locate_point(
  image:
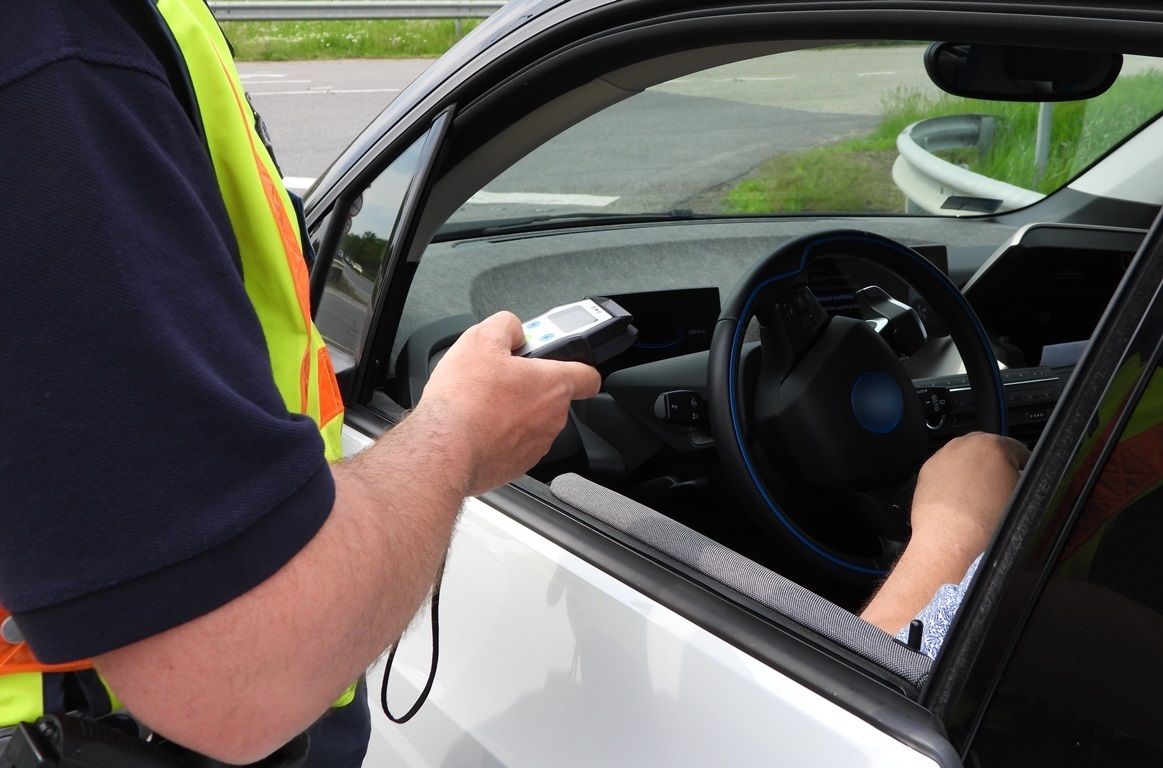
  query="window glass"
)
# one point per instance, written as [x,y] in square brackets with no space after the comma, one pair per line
[345,305]
[816,130]
[1083,685]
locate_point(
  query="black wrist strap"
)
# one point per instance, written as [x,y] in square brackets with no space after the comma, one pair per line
[431,670]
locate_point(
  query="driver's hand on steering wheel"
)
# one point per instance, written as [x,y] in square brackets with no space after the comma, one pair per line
[962,492]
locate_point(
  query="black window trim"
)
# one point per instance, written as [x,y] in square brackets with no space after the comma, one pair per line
[358,375]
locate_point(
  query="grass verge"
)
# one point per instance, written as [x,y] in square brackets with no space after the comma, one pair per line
[367,39]
[829,178]
[855,175]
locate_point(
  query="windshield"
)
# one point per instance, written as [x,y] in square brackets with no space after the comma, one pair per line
[842,129]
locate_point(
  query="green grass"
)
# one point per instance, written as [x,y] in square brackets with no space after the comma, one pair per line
[369,39]
[854,175]
[831,178]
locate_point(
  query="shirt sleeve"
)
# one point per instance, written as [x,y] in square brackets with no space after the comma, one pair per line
[937,616]
[149,470]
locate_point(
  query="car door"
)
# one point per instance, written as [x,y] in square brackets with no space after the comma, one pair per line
[561,638]
[557,644]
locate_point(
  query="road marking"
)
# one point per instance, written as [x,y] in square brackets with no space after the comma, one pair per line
[248,75]
[281,82]
[875,74]
[741,79]
[484,197]
[298,183]
[324,90]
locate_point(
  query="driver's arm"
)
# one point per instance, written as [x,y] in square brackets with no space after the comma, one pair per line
[962,491]
[241,680]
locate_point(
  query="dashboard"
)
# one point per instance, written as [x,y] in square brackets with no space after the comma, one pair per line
[1039,295]
[1039,290]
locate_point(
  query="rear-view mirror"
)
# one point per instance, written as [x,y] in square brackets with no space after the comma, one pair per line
[1014,73]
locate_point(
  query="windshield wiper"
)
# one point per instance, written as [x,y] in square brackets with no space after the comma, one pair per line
[560,221]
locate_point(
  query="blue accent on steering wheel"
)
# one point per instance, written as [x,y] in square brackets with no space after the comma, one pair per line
[732,386]
[877,402]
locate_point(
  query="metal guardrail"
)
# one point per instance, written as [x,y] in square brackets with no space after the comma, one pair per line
[314,10]
[934,185]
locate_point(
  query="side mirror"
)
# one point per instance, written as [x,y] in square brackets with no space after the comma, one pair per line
[1018,73]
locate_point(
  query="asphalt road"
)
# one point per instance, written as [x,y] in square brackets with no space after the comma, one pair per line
[313,109]
[654,151]
[734,115]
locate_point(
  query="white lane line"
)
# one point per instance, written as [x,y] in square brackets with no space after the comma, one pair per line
[280,82]
[484,197]
[741,79]
[249,75]
[324,91]
[875,74]
[298,183]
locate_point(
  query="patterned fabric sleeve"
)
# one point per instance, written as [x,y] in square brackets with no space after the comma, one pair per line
[938,614]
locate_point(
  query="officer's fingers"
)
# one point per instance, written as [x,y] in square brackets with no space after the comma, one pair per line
[504,329]
[584,380]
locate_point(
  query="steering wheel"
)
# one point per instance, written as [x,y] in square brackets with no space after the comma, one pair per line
[818,426]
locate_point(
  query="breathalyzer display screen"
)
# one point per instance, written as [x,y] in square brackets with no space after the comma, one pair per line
[571,318]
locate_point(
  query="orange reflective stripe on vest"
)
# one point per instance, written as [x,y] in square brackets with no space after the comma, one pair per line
[18,657]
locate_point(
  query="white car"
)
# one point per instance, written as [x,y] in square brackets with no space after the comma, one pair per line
[804,227]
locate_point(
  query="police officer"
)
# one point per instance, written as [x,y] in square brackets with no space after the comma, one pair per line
[173,510]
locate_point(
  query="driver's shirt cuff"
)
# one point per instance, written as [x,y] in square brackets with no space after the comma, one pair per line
[937,616]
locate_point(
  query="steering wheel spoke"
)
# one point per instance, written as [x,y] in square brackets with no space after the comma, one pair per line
[792,322]
[896,322]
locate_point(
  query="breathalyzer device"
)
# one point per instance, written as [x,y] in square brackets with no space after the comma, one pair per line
[589,331]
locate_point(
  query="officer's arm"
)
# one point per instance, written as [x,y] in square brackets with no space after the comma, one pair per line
[239,682]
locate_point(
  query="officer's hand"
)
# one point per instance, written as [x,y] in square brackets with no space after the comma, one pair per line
[506,409]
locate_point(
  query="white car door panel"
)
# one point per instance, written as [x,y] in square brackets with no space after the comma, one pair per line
[546,660]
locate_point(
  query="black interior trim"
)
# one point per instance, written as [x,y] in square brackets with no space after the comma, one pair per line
[383,323]
[1069,206]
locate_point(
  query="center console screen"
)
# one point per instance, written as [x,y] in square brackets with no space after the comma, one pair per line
[670,323]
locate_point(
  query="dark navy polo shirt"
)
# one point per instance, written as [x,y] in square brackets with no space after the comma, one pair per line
[149,470]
